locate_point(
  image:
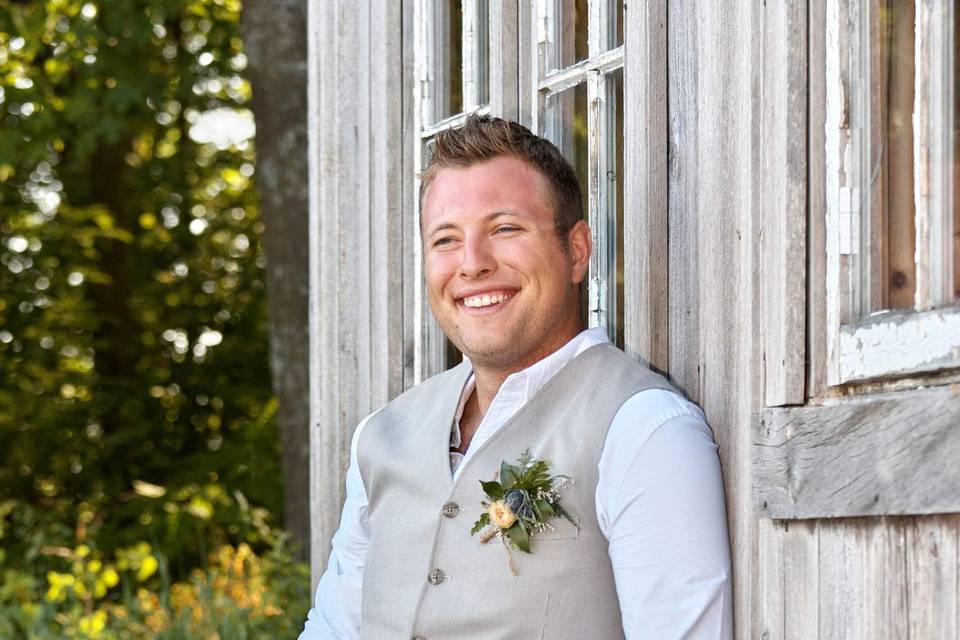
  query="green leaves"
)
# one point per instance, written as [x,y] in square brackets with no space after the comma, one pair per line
[493,489]
[481,522]
[518,536]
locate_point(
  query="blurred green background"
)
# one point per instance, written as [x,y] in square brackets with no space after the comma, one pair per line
[140,480]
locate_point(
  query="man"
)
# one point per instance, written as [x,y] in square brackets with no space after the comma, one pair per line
[505,250]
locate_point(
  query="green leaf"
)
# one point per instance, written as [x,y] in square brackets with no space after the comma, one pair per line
[545,509]
[481,522]
[518,535]
[508,475]
[493,489]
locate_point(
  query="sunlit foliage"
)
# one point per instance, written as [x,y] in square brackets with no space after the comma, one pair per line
[135,399]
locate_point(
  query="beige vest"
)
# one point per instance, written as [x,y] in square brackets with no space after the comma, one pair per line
[427,577]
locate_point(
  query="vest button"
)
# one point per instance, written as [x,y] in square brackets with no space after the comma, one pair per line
[436,576]
[450,509]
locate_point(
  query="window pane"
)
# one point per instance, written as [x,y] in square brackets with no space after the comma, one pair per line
[614,177]
[483,56]
[570,39]
[565,124]
[890,278]
[616,24]
[448,58]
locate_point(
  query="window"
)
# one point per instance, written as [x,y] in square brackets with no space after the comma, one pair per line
[452,68]
[575,94]
[579,107]
[893,262]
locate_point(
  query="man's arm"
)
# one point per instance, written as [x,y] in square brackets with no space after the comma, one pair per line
[660,503]
[336,611]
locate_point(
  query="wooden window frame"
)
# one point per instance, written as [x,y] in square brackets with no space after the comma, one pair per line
[873,432]
[517,90]
[593,71]
[890,343]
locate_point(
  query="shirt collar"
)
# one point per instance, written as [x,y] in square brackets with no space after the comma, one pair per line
[522,385]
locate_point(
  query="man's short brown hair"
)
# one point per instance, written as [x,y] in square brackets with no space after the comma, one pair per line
[483,138]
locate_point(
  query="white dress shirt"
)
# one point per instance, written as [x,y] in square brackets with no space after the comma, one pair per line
[659,502]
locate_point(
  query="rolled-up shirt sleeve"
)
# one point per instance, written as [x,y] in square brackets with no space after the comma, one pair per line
[336,610]
[660,503]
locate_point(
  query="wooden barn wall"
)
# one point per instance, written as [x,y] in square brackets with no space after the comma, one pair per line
[726,243]
[358,237]
[711,245]
[850,578]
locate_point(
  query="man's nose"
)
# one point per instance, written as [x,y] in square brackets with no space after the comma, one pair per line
[478,260]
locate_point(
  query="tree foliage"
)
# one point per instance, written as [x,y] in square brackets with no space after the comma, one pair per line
[135,400]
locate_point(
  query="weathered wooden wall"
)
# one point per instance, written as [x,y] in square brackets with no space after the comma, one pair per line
[836,577]
[712,245]
[718,293]
[358,236]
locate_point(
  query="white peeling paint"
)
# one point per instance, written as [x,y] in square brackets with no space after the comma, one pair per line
[900,343]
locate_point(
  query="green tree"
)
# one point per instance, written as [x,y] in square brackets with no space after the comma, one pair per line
[134,385]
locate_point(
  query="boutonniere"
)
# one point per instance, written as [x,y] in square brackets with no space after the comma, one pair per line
[519,505]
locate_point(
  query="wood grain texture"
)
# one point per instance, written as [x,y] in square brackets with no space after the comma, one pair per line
[713,161]
[891,453]
[683,212]
[884,578]
[816,308]
[645,226]
[783,192]
[504,52]
[356,187]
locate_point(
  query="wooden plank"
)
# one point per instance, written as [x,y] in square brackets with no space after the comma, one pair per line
[386,286]
[801,585]
[504,59]
[817,205]
[712,144]
[783,176]
[932,563]
[897,344]
[645,223]
[770,581]
[683,213]
[410,143]
[355,215]
[892,453]
[840,607]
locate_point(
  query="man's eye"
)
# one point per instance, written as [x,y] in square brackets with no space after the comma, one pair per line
[445,240]
[506,228]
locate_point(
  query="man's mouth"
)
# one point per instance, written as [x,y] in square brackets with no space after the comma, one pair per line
[486,299]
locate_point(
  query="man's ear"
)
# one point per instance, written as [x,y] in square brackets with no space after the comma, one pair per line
[581,245]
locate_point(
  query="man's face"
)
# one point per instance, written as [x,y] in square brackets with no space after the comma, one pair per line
[500,283]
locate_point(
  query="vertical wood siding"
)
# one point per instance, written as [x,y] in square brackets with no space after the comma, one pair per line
[356,285]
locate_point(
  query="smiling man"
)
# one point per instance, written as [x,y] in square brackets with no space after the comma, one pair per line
[644,552]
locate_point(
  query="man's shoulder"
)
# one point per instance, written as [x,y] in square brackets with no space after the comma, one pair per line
[609,364]
[441,388]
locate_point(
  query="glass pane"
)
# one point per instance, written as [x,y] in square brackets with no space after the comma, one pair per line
[614,189]
[616,24]
[483,55]
[448,58]
[890,278]
[570,39]
[565,124]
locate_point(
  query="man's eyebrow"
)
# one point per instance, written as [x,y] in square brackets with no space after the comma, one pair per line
[490,216]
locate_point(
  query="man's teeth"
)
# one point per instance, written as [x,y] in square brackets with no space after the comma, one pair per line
[485,300]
